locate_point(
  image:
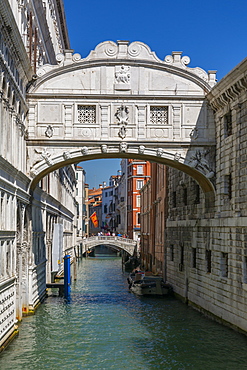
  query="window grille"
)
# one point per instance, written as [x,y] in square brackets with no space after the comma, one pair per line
[159,115]
[86,113]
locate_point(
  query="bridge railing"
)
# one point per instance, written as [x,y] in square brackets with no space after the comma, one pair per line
[105,238]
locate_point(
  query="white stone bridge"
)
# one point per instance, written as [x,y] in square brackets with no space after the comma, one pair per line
[115,242]
[121,101]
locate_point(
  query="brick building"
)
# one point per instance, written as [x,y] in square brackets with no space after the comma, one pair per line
[138,173]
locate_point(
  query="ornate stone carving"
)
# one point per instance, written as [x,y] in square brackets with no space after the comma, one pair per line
[199,162]
[84,150]
[122,115]
[159,152]
[194,133]
[26,134]
[49,131]
[76,57]
[122,132]
[44,69]
[60,58]
[123,147]
[141,149]
[123,76]
[44,154]
[104,148]
[111,49]
[134,49]
[177,156]
[66,155]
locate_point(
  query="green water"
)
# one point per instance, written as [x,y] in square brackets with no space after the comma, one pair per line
[106,327]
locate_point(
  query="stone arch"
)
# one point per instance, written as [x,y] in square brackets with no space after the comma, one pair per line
[167,158]
[120,244]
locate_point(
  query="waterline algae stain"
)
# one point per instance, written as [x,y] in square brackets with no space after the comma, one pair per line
[104,326]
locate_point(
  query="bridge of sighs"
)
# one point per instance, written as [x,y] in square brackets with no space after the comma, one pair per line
[122,101]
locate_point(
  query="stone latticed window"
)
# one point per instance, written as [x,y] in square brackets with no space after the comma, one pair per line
[159,115]
[86,113]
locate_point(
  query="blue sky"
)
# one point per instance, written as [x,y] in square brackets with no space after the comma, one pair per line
[212,33]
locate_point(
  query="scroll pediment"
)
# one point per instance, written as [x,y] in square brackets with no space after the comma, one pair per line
[126,53]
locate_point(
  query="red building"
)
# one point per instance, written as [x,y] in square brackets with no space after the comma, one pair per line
[138,173]
[153,220]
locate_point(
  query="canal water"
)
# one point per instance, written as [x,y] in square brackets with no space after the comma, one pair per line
[106,327]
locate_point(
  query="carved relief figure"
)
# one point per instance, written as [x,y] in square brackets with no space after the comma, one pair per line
[84,150]
[104,148]
[159,152]
[123,147]
[45,155]
[123,76]
[66,155]
[199,162]
[141,149]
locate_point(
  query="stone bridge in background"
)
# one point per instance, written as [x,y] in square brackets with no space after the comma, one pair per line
[115,242]
[121,101]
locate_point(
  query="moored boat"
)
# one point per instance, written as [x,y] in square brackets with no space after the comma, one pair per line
[142,283]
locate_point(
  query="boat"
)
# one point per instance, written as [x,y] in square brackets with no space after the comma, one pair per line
[145,283]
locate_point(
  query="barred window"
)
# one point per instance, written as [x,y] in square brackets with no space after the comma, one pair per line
[159,115]
[86,113]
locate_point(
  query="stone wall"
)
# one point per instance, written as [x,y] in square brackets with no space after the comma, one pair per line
[206,247]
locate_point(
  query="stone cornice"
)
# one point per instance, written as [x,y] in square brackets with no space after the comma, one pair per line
[230,87]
